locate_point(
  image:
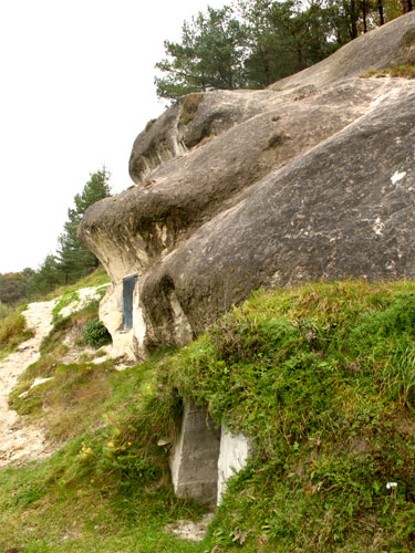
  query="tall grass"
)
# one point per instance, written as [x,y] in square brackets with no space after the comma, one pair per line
[13,331]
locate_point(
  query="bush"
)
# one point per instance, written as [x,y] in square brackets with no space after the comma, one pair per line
[4,310]
[95,334]
[13,331]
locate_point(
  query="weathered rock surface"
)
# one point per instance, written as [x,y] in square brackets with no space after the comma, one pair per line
[310,179]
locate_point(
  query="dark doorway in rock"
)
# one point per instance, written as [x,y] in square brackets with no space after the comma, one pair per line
[127,292]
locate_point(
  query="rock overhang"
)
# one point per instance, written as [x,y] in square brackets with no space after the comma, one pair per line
[265,188]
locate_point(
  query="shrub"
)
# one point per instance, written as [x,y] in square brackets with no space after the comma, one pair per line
[95,334]
[4,310]
[13,331]
[190,107]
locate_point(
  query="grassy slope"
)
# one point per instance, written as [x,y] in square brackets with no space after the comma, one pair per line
[320,377]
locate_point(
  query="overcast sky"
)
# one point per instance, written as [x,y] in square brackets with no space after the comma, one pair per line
[76,88]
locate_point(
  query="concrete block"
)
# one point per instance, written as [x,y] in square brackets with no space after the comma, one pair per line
[234,453]
[194,462]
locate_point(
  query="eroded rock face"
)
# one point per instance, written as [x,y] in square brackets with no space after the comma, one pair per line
[312,178]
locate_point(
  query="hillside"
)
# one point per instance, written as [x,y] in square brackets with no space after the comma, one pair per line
[320,377]
[259,390]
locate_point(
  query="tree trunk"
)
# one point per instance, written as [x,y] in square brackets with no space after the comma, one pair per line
[353,19]
[381,14]
[300,58]
[364,14]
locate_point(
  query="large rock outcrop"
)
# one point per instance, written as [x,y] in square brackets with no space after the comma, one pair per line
[310,179]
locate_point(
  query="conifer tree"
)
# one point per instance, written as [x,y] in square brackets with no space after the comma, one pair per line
[47,277]
[210,55]
[74,260]
[253,43]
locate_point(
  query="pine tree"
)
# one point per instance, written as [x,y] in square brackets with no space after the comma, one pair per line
[253,43]
[210,55]
[74,260]
[47,277]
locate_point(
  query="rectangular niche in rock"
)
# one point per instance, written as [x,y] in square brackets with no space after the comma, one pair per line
[127,293]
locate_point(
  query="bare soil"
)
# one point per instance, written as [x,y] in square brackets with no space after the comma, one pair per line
[20,441]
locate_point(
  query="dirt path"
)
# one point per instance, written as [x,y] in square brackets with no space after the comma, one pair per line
[18,441]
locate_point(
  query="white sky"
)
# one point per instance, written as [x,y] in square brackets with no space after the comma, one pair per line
[76,87]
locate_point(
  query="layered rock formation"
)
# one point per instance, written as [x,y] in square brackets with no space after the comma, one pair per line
[310,179]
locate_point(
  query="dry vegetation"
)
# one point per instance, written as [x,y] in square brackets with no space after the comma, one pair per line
[402,71]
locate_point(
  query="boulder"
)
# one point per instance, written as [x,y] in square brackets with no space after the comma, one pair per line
[309,179]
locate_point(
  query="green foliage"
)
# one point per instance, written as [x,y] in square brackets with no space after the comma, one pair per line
[95,279]
[108,488]
[95,334]
[66,299]
[13,331]
[210,55]
[253,43]
[14,287]
[73,260]
[4,310]
[48,277]
[70,297]
[322,380]
[285,37]
[320,377]
[73,324]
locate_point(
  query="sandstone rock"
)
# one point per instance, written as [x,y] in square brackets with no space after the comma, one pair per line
[310,179]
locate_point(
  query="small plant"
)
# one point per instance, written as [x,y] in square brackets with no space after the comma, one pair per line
[13,331]
[190,106]
[95,334]
[148,126]
[404,71]
[72,325]
[64,301]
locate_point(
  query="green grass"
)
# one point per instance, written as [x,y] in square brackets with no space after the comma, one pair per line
[4,310]
[108,488]
[74,324]
[71,296]
[320,377]
[97,278]
[63,404]
[66,299]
